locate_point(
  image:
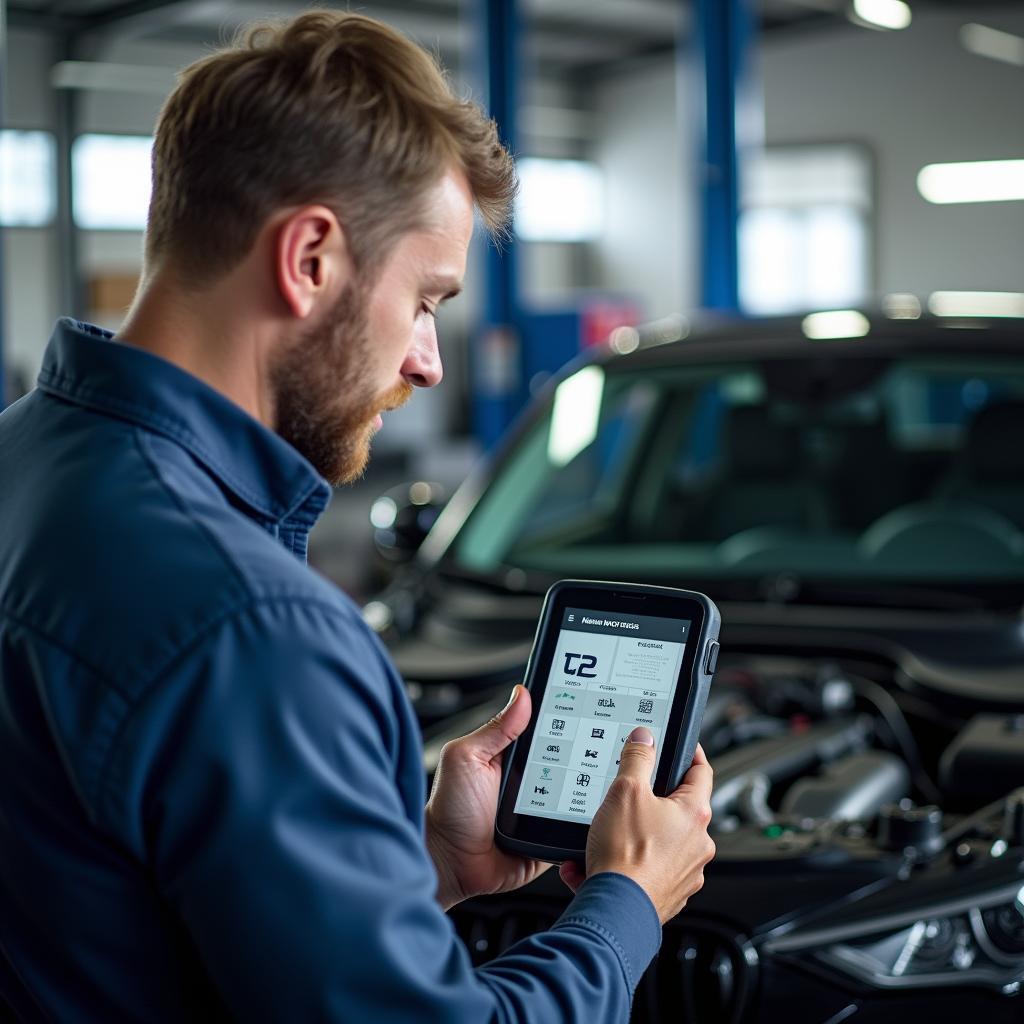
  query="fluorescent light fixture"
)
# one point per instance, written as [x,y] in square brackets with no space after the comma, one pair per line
[111,181]
[836,323]
[575,416]
[902,306]
[991,42]
[99,76]
[891,14]
[559,200]
[977,303]
[976,181]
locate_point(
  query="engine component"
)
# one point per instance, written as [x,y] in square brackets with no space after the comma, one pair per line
[986,759]
[852,789]
[903,825]
[1013,818]
[783,757]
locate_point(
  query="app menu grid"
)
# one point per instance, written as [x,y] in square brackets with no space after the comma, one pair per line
[599,689]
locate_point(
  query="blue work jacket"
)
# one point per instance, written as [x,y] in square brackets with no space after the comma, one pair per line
[211,786]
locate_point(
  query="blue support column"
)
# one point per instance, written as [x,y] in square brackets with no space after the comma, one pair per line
[723,37]
[66,104]
[3,241]
[496,354]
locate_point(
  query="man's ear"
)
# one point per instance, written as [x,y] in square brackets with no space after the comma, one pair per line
[311,258]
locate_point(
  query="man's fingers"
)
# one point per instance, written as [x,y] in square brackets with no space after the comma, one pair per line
[572,874]
[637,757]
[697,782]
[492,738]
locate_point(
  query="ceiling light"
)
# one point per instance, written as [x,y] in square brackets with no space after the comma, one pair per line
[836,323]
[977,303]
[990,42]
[978,181]
[901,306]
[890,14]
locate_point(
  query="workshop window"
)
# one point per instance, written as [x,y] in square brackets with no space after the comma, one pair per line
[804,231]
[28,195]
[559,200]
[111,181]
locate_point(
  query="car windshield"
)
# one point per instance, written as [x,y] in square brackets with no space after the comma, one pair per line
[870,468]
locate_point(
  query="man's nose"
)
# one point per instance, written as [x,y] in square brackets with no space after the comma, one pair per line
[422,367]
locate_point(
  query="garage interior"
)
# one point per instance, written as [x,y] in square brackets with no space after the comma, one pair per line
[693,173]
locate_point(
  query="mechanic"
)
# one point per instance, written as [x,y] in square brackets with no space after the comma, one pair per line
[211,785]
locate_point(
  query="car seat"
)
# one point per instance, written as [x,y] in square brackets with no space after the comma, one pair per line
[762,483]
[990,469]
[869,477]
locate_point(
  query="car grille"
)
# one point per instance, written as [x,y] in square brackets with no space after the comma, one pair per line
[704,971]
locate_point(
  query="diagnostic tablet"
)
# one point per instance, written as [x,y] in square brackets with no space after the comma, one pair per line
[607,657]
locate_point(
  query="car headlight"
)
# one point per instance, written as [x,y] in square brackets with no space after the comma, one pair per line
[973,941]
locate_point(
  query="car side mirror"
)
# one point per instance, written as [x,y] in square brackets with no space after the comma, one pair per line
[403,516]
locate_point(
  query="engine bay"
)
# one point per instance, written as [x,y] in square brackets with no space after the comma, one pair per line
[869,839]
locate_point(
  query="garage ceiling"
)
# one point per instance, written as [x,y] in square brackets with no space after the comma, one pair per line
[569,38]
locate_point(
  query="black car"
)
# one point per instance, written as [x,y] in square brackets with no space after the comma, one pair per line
[855,505]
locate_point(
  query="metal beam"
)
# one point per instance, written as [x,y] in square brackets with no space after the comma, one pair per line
[141,15]
[151,12]
[496,358]
[41,21]
[65,129]
[724,35]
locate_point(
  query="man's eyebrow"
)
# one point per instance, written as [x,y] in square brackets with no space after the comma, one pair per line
[446,287]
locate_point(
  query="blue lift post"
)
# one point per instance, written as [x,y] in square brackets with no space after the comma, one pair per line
[495,356]
[3,123]
[724,33]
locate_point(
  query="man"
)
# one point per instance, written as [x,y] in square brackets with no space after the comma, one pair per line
[211,792]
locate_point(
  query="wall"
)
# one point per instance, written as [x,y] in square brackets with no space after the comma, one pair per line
[913,97]
[650,247]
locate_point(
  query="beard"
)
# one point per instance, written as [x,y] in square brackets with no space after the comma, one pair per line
[325,404]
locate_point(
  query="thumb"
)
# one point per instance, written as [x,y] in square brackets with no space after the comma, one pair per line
[637,758]
[493,737]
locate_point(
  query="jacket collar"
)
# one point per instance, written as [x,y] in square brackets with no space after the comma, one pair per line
[84,366]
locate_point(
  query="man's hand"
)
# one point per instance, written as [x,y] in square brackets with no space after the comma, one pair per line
[461,809]
[662,843]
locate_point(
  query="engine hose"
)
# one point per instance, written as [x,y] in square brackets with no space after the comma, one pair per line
[752,801]
[892,714]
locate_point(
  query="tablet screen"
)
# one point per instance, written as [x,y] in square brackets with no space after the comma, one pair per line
[610,673]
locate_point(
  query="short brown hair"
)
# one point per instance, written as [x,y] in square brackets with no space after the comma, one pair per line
[329,107]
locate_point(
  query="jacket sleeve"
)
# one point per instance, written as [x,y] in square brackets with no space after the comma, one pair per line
[258,783]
